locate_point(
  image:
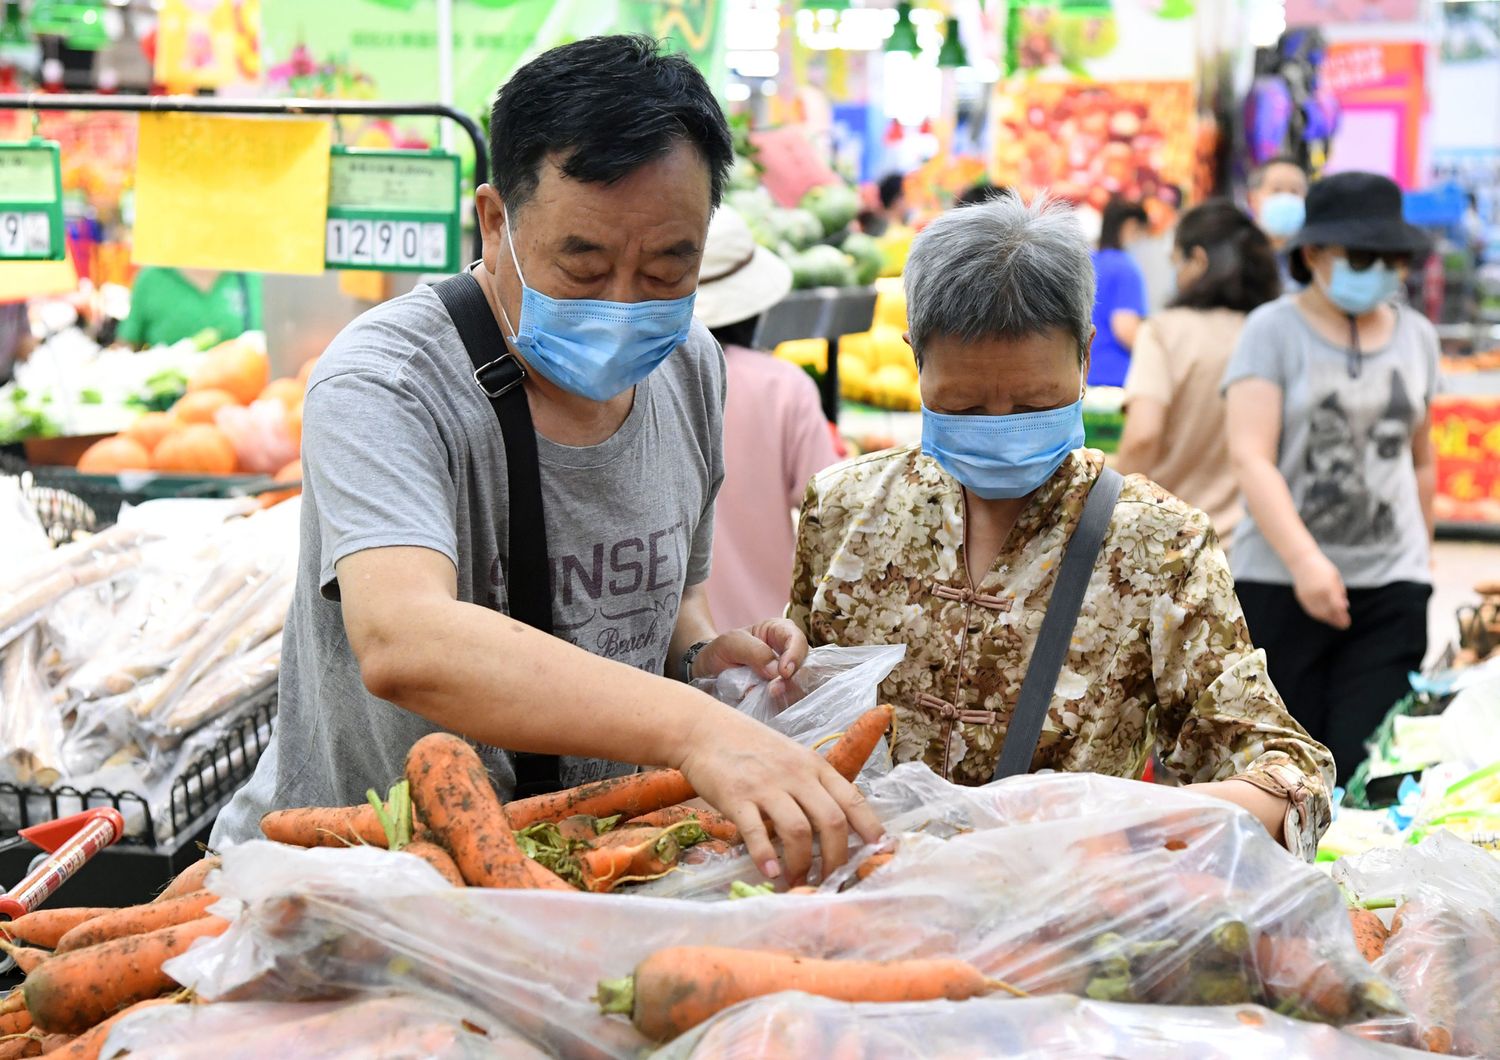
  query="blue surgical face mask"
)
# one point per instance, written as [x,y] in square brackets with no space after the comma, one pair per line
[1282,214]
[1003,457]
[591,347]
[1356,293]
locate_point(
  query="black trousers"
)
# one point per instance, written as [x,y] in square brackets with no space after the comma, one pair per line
[1340,683]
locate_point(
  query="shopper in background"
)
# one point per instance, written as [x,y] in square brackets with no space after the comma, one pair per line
[894,207]
[1277,196]
[608,157]
[984,191]
[953,548]
[1330,435]
[15,337]
[1120,301]
[169,305]
[775,436]
[1174,411]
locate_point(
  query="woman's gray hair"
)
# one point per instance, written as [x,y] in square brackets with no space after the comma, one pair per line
[1001,269]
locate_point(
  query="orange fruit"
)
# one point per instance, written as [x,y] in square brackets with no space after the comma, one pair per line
[291,473]
[150,429]
[287,391]
[306,370]
[200,406]
[117,453]
[195,448]
[236,368]
[294,423]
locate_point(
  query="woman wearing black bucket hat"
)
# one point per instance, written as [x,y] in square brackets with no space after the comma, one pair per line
[1329,433]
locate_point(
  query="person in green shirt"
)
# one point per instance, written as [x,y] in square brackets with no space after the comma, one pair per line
[169,305]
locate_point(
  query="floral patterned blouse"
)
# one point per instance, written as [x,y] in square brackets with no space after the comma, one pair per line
[1160,656]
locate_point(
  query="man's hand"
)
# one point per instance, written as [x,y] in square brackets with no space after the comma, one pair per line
[754,775]
[1320,590]
[773,648]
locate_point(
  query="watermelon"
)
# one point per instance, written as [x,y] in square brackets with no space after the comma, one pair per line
[867,255]
[800,228]
[822,266]
[834,205]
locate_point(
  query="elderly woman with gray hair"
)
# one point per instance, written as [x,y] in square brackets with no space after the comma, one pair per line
[1055,615]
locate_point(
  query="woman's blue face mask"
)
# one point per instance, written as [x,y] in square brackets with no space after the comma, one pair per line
[1003,457]
[591,347]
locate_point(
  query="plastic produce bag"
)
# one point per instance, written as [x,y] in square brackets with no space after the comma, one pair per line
[793,1026]
[1443,955]
[392,1028]
[1057,883]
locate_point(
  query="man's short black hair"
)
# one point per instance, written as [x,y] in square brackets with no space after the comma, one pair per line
[891,187]
[605,106]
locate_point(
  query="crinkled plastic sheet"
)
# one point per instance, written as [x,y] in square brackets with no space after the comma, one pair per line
[391,1028]
[1444,956]
[796,1026]
[1056,884]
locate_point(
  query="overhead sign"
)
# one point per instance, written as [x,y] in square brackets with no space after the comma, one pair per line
[396,211]
[31,213]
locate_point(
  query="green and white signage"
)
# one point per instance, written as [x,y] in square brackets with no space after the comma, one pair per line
[396,211]
[31,211]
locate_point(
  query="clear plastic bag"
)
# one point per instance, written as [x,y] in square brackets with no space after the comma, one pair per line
[392,1028]
[1443,955]
[1056,884]
[793,1026]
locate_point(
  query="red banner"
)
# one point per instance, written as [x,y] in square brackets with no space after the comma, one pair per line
[1466,432]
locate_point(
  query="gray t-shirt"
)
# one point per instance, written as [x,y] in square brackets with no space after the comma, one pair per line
[401,448]
[1345,444]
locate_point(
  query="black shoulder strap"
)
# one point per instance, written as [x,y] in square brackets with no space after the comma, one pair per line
[528,578]
[1056,634]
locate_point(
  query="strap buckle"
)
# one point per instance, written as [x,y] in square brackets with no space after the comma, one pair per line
[500,376]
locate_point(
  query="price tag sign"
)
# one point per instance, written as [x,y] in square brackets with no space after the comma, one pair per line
[31,209]
[397,211]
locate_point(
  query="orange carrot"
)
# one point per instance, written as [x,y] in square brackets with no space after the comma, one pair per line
[189,879]
[1370,933]
[15,1023]
[580,828]
[44,927]
[628,855]
[325,826]
[873,864]
[451,792]
[14,1001]
[27,958]
[544,879]
[709,848]
[87,1045]
[74,991]
[715,824]
[1292,970]
[137,920]
[53,1042]
[675,989]
[17,1047]
[854,748]
[437,857]
[631,795]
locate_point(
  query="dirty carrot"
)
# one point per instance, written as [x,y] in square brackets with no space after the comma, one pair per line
[715,824]
[137,920]
[622,857]
[437,857]
[325,826]
[44,927]
[189,879]
[853,750]
[27,958]
[631,795]
[88,1045]
[1370,933]
[74,991]
[15,1023]
[14,1001]
[451,792]
[675,989]
[544,879]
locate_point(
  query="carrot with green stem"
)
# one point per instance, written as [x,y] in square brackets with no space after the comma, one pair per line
[715,824]
[634,855]
[325,826]
[137,920]
[46,926]
[1370,933]
[859,741]
[676,989]
[451,792]
[631,795]
[74,991]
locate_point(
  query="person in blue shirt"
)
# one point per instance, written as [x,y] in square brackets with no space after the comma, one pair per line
[1120,301]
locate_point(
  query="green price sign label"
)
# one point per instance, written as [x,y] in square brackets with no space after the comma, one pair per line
[397,211]
[31,213]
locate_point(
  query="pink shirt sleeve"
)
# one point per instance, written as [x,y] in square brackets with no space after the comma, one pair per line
[809,443]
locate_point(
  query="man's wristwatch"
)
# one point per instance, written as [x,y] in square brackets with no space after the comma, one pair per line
[688,657]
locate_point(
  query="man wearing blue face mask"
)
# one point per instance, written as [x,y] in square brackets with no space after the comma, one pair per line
[532,448]
[1330,436]
[1054,615]
[1277,196]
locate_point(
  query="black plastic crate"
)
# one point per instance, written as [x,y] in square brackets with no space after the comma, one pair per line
[140,864]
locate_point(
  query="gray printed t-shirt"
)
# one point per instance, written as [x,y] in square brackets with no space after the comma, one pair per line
[1345,444]
[401,448]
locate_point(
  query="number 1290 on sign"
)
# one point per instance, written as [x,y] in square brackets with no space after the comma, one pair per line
[394,244]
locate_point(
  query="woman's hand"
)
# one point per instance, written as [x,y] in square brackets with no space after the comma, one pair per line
[1269,810]
[1320,590]
[773,648]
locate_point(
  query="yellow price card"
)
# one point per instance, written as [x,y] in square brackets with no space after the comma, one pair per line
[237,194]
